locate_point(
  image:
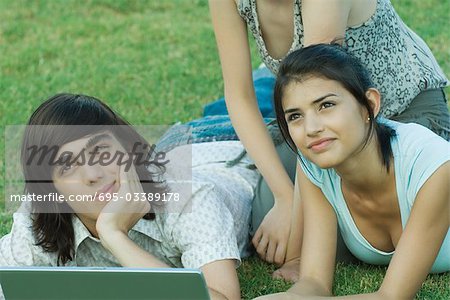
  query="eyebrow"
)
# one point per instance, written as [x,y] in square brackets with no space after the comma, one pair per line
[290,110]
[96,139]
[91,142]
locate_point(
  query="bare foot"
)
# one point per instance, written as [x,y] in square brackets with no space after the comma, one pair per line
[289,271]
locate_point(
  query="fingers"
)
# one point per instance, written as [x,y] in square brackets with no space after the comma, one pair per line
[269,250]
[257,237]
[277,274]
[289,271]
[270,254]
[280,254]
[275,253]
[261,249]
[260,242]
[287,275]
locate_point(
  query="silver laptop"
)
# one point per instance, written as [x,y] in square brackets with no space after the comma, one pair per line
[79,283]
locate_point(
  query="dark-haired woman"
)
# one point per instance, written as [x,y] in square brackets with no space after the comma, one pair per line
[400,63]
[384,184]
[110,189]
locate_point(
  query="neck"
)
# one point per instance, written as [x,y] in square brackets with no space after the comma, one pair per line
[364,172]
[90,225]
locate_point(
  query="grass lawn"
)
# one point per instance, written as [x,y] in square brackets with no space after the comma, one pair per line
[155,62]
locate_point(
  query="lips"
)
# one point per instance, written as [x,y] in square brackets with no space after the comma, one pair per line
[107,188]
[320,145]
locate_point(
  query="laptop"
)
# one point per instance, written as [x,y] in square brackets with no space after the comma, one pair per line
[80,283]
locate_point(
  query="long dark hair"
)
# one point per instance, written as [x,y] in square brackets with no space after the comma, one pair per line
[333,62]
[50,125]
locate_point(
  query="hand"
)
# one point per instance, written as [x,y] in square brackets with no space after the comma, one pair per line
[120,216]
[270,240]
[289,271]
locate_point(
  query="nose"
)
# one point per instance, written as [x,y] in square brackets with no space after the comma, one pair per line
[313,125]
[92,173]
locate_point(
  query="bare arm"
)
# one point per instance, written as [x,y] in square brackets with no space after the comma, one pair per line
[222,279]
[118,217]
[415,252]
[231,36]
[324,20]
[318,251]
[430,214]
[220,276]
[289,271]
[417,249]
[296,236]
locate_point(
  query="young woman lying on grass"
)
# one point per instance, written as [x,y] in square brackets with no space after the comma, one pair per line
[205,227]
[384,185]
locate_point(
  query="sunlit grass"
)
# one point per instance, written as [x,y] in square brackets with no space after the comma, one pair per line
[155,62]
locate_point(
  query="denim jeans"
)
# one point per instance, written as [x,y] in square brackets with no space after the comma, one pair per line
[207,129]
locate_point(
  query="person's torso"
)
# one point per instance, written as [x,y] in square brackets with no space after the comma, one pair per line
[417,154]
[399,61]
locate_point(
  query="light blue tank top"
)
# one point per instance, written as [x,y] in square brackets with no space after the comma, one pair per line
[418,153]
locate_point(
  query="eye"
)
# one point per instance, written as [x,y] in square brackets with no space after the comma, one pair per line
[100,148]
[324,105]
[66,168]
[293,117]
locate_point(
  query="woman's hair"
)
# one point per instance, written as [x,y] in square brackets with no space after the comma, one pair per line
[50,127]
[330,61]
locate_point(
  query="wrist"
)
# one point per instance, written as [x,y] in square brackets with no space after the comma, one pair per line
[309,287]
[111,237]
[283,195]
[383,294]
[292,260]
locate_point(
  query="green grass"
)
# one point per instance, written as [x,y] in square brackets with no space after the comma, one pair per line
[156,63]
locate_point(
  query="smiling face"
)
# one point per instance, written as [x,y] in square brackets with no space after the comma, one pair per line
[325,121]
[93,169]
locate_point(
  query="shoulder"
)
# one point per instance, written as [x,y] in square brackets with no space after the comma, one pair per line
[418,153]
[411,139]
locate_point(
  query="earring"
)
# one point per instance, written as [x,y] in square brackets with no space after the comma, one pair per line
[368,118]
